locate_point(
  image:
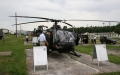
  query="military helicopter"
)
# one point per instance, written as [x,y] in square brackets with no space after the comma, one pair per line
[39,30]
[62,40]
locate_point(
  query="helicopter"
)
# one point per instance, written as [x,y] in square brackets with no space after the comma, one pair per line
[62,40]
[38,31]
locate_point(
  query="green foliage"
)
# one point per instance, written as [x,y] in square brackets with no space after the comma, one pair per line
[15,64]
[92,29]
[117,29]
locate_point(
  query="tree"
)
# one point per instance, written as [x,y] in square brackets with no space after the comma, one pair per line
[117,29]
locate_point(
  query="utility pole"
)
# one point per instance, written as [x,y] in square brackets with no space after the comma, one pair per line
[16,23]
[109,29]
[20,29]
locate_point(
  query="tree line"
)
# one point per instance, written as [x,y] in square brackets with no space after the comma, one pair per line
[96,29]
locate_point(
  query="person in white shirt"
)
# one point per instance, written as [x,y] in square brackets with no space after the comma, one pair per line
[94,39]
[42,39]
[26,38]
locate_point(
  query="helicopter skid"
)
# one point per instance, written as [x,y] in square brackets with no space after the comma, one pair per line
[74,53]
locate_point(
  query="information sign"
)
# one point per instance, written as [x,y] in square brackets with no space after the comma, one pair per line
[100,53]
[40,56]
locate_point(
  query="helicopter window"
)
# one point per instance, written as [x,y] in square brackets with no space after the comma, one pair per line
[58,27]
[64,36]
[65,27]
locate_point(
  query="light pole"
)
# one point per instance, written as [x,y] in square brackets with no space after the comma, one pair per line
[16,23]
[20,29]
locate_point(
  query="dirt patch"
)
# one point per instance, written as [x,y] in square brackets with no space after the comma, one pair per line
[114,52]
[5,53]
[28,43]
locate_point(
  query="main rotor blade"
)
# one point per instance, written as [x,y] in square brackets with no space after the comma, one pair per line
[29,22]
[31,17]
[67,24]
[93,20]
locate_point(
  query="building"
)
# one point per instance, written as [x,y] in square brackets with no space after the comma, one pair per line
[5,31]
[109,34]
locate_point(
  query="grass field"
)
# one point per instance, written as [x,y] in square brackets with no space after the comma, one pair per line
[15,64]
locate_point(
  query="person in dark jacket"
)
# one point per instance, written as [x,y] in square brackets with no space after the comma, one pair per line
[48,39]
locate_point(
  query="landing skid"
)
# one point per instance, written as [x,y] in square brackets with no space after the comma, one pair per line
[74,53]
[71,52]
[49,52]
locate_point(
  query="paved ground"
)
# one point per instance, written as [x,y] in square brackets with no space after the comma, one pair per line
[59,64]
[66,64]
[114,52]
[28,43]
[5,53]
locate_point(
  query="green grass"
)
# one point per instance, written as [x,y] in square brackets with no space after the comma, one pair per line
[117,40]
[111,73]
[15,64]
[113,47]
[85,49]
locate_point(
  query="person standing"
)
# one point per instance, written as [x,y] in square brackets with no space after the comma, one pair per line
[94,39]
[34,33]
[31,35]
[42,39]
[26,38]
[48,38]
[80,40]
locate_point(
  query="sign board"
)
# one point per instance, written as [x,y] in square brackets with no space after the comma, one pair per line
[35,40]
[100,52]
[40,56]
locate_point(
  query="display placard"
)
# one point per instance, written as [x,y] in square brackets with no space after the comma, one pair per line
[40,56]
[100,52]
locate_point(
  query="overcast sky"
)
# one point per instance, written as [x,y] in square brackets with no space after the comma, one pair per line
[59,9]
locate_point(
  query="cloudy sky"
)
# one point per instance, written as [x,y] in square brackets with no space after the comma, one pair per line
[59,9]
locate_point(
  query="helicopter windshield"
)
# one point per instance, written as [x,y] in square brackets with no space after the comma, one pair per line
[64,36]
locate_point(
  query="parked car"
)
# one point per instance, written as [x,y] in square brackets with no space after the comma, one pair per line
[107,40]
